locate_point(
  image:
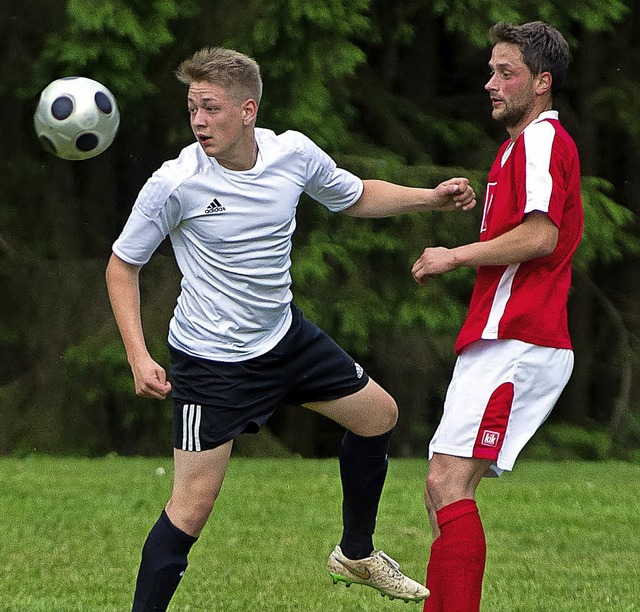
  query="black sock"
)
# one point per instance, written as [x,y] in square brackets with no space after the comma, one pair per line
[164,560]
[363,469]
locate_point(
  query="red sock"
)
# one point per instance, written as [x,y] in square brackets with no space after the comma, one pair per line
[460,555]
[435,602]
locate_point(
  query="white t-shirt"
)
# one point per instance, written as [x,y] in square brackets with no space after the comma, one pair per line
[231,235]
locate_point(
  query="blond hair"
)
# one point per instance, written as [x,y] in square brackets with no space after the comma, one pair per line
[236,73]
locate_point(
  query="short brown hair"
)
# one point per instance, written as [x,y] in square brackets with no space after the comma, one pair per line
[237,73]
[543,48]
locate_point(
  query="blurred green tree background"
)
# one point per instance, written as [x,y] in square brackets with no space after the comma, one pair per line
[393,89]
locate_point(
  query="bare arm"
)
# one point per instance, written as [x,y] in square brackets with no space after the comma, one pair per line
[124,293]
[383,199]
[536,236]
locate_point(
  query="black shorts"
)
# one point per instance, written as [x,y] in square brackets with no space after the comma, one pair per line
[215,401]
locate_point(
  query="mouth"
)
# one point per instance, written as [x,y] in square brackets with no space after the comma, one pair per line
[496,102]
[203,139]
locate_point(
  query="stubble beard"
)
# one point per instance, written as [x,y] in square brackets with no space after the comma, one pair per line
[510,117]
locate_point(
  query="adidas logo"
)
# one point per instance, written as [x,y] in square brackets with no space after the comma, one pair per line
[214,207]
[359,370]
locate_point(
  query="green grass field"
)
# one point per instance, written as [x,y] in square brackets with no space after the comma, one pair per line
[561,537]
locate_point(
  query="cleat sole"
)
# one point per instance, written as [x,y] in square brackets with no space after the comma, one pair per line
[336,578]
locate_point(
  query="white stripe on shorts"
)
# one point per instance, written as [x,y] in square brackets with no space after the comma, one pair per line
[191,416]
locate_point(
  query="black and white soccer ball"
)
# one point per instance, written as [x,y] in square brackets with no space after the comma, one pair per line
[76,118]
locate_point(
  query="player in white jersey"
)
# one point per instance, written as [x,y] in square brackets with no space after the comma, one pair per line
[239,347]
[514,351]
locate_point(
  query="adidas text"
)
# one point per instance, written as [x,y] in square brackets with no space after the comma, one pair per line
[214,207]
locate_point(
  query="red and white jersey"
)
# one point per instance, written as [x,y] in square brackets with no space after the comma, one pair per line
[527,301]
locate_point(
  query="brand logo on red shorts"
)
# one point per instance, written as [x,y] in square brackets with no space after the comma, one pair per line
[490,438]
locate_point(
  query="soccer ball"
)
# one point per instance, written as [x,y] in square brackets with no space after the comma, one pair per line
[76,118]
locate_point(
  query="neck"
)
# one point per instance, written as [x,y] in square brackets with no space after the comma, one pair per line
[243,159]
[515,130]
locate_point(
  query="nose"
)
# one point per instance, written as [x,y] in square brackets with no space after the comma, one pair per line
[198,118]
[491,83]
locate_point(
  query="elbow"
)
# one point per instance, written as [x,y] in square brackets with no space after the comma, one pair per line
[541,235]
[545,245]
[118,268]
[111,269]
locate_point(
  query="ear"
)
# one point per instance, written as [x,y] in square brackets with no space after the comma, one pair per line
[543,83]
[250,111]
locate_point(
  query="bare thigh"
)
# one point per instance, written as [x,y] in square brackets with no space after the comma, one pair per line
[368,412]
[197,480]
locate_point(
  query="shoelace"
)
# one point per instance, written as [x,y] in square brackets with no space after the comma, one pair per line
[389,561]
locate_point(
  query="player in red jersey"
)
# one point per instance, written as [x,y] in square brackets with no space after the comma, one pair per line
[514,350]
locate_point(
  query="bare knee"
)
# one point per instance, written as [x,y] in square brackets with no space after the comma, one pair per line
[435,491]
[190,506]
[368,412]
[378,418]
[388,415]
[453,478]
[381,421]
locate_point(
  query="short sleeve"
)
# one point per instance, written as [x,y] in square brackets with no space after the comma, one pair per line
[333,187]
[155,213]
[545,184]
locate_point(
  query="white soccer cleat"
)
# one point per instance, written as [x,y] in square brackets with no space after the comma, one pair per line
[378,571]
